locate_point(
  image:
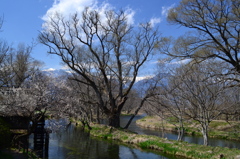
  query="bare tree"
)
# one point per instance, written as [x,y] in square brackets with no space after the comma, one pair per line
[108,53]
[23,66]
[16,65]
[232,100]
[82,103]
[132,102]
[166,102]
[169,106]
[201,95]
[217,35]
[5,62]
[147,90]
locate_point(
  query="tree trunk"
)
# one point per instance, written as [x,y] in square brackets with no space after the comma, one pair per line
[180,130]
[98,115]
[205,134]
[136,112]
[205,139]
[180,133]
[114,120]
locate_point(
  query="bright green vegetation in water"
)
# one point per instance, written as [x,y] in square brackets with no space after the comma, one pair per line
[173,147]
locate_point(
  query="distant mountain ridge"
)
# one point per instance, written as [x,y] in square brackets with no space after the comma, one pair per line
[157,80]
[56,72]
[142,83]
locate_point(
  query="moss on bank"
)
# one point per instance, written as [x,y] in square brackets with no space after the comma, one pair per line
[183,149]
[217,128]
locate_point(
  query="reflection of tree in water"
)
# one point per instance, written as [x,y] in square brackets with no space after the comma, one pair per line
[72,142]
[75,143]
[133,153]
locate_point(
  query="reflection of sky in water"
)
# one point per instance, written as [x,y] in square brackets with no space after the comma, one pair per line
[73,143]
[55,148]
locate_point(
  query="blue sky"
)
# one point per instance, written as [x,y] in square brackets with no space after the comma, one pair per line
[23,19]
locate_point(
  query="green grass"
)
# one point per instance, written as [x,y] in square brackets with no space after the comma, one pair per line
[124,137]
[126,114]
[165,147]
[106,136]
[218,123]
[148,142]
[217,128]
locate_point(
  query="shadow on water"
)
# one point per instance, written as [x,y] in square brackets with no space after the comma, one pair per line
[173,136]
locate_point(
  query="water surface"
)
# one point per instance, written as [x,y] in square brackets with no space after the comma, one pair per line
[73,143]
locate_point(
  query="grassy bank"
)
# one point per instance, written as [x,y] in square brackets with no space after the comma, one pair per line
[167,146]
[217,128]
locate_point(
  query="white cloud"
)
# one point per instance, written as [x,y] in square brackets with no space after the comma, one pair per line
[130,15]
[139,78]
[185,61]
[174,62]
[65,67]
[50,69]
[68,7]
[165,9]
[155,21]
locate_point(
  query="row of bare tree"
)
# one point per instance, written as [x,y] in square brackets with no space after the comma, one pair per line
[207,87]
[194,94]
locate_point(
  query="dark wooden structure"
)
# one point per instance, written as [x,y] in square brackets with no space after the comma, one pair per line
[20,124]
[17,122]
[41,139]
